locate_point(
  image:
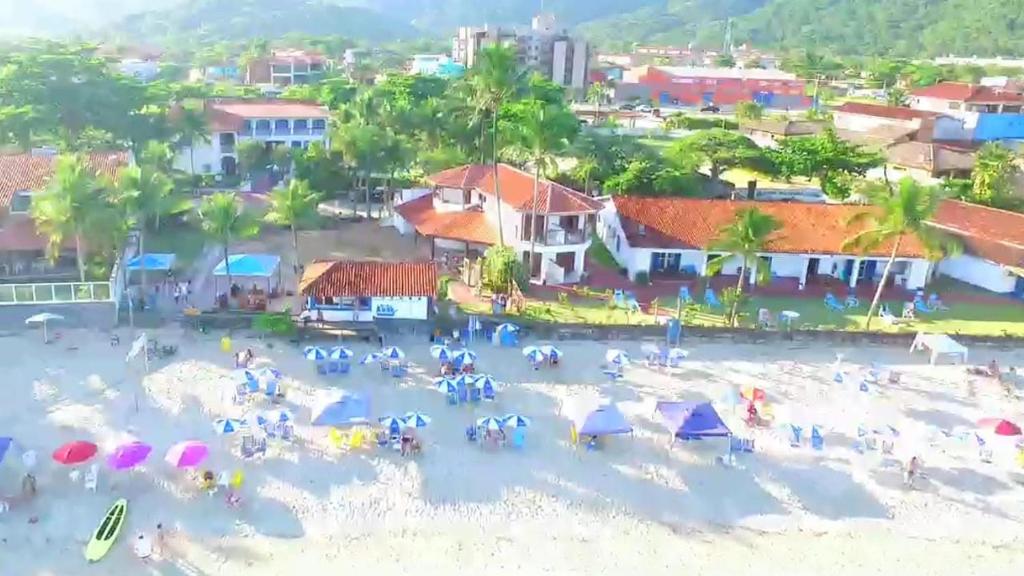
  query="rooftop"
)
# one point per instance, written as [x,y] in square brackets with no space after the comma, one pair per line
[516,189]
[881,111]
[785,127]
[287,56]
[32,172]
[739,73]
[935,158]
[466,225]
[331,279]
[228,115]
[695,224]
[997,235]
[973,93]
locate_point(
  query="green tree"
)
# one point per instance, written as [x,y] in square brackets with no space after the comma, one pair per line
[725,61]
[259,48]
[718,149]
[252,156]
[293,207]
[827,158]
[992,178]
[897,215]
[501,268]
[743,239]
[495,79]
[896,96]
[224,219]
[191,129]
[749,111]
[69,208]
[362,147]
[597,94]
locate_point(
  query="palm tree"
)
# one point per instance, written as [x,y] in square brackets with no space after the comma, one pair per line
[495,79]
[898,214]
[223,218]
[259,48]
[145,194]
[744,239]
[596,94]
[191,128]
[69,208]
[293,206]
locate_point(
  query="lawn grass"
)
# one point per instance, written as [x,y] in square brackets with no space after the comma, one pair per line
[657,144]
[600,253]
[183,240]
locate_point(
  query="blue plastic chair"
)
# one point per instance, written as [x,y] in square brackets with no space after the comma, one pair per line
[321,368]
[796,435]
[488,393]
[471,433]
[817,440]
[453,399]
[474,394]
[344,367]
[519,438]
[684,294]
[711,299]
[832,303]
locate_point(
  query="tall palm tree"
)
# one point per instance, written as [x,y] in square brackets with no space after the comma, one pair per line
[596,94]
[495,79]
[224,218]
[744,239]
[293,206]
[70,207]
[898,214]
[141,193]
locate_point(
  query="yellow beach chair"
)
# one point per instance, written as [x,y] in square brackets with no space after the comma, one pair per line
[237,479]
[338,438]
[357,439]
[573,436]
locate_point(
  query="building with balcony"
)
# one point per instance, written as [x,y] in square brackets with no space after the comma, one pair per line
[272,122]
[462,212]
[287,67]
[988,113]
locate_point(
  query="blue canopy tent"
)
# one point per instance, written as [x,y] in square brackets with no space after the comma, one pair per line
[151,261]
[602,420]
[349,410]
[693,421]
[250,265]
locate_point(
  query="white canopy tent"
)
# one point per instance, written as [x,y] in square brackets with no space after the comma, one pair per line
[939,344]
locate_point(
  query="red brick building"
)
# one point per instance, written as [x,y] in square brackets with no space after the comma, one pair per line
[723,87]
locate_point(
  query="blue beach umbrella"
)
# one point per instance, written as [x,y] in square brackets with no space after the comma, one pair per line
[490,423]
[392,423]
[515,421]
[226,426]
[465,380]
[416,420]
[268,374]
[551,352]
[314,353]
[278,415]
[446,385]
[503,328]
[533,354]
[393,353]
[5,445]
[371,358]
[487,383]
[616,356]
[249,378]
[442,353]
[254,419]
[339,353]
[463,357]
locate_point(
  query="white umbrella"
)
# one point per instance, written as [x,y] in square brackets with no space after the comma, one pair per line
[616,356]
[416,420]
[516,421]
[490,423]
[43,318]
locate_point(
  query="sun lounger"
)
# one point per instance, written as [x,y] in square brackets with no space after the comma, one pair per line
[832,303]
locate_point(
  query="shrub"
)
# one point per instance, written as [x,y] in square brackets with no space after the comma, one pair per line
[500,268]
[642,278]
[442,287]
[275,323]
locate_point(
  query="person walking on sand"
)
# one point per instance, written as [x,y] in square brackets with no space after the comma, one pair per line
[160,538]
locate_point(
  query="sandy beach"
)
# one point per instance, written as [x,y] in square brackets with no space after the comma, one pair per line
[549,508]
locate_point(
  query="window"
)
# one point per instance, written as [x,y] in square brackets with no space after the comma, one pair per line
[21,202]
[641,229]
[319,126]
[247,126]
[954,105]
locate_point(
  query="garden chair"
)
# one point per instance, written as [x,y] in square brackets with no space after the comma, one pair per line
[710,299]
[832,303]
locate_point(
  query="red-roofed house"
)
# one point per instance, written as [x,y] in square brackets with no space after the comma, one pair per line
[272,122]
[462,213]
[956,97]
[675,236]
[368,291]
[993,242]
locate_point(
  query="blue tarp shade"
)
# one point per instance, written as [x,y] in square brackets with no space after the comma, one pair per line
[692,420]
[602,421]
[249,265]
[152,262]
[349,410]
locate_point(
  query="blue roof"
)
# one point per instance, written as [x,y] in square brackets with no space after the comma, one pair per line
[249,265]
[152,262]
[692,420]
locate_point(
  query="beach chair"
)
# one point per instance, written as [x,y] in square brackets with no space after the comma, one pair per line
[322,368]
[471,434]
[710,299]
[935,303]
[817,440]
[399,370]
[475,394]
[851,301]
[518,438]
[248,447]
[343,368]
[684,294]
[908,311]
[92,478]
[795,435]
[453,399]
[921,306]
[337,438]
[832,303]
[356,439]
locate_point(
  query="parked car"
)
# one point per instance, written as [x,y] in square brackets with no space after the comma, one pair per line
[711,108]
[627,107]
[645,109]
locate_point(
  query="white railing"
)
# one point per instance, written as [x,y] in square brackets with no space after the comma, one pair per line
[55,293]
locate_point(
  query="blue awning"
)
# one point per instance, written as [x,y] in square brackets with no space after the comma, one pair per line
[152,262]
[692,420]
[249,265]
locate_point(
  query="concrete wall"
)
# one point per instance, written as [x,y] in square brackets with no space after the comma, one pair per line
[978,272]
[999,127]
[931,104]
[789,265]
[101,315]
[207,157]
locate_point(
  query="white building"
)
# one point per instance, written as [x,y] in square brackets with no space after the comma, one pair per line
[993,242]
[139,69]
[674,238]
[369,291]
[462,213]
[271,122]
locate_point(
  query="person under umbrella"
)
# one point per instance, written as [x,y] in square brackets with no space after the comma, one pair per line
[393,353]
[534,355]
[416,420]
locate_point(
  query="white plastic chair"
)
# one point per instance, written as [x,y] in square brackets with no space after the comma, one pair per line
[92,478]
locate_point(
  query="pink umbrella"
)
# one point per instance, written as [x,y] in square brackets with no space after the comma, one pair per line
[129,455]
[1000,426]
[188,454]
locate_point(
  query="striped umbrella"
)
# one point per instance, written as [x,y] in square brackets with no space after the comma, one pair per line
[446,385]
[392,423]
[254,419]
[486,382]
[277,415]
[339,353]
[533,354]
[502,328]
[224,426]
[416,420]
[465,380]
[463,357]
[515,421]
[371,358]
[314,353]
[393,353]
[490,423]
[616,356]
[442,353]
[551,352]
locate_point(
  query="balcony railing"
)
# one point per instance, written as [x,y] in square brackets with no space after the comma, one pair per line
[45,292]
[317,131]
[559,237]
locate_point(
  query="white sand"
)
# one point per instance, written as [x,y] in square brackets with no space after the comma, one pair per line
[635,506]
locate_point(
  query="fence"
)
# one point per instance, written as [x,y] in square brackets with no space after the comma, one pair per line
[55,292]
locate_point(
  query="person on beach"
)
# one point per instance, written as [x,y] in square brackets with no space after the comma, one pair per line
[143,547]
[911,472]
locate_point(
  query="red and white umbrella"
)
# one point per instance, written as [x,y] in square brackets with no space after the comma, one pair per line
[999,426]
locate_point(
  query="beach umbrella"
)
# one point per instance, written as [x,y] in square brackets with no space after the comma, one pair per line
[129,455]
[5,445]
[416,420]
[371,358]
[348,410]
[515,421]
[268,374]
[278,415]
[999,427]
[463,357]
[616,356]
[533,354]
[485,381]
[249,378]
[506,327]
[393,353]
[392,423]
[75,452]
[753,394]
[490,423]
[678,354]
[551,352]
[446,385]
[340,353]
[465,380]
[253,419]
[44,319]
[227,426]
[314,353]
[187,454]
[442,353]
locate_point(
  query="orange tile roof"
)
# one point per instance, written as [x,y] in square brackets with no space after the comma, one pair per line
[229,115]
[517,189]
[28,172]
[993,234]
[880,111]
[690,223]
[960,92]
[467,225]
[331,279]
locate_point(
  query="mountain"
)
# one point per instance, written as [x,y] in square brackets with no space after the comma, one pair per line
[868,27]
[60,17]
